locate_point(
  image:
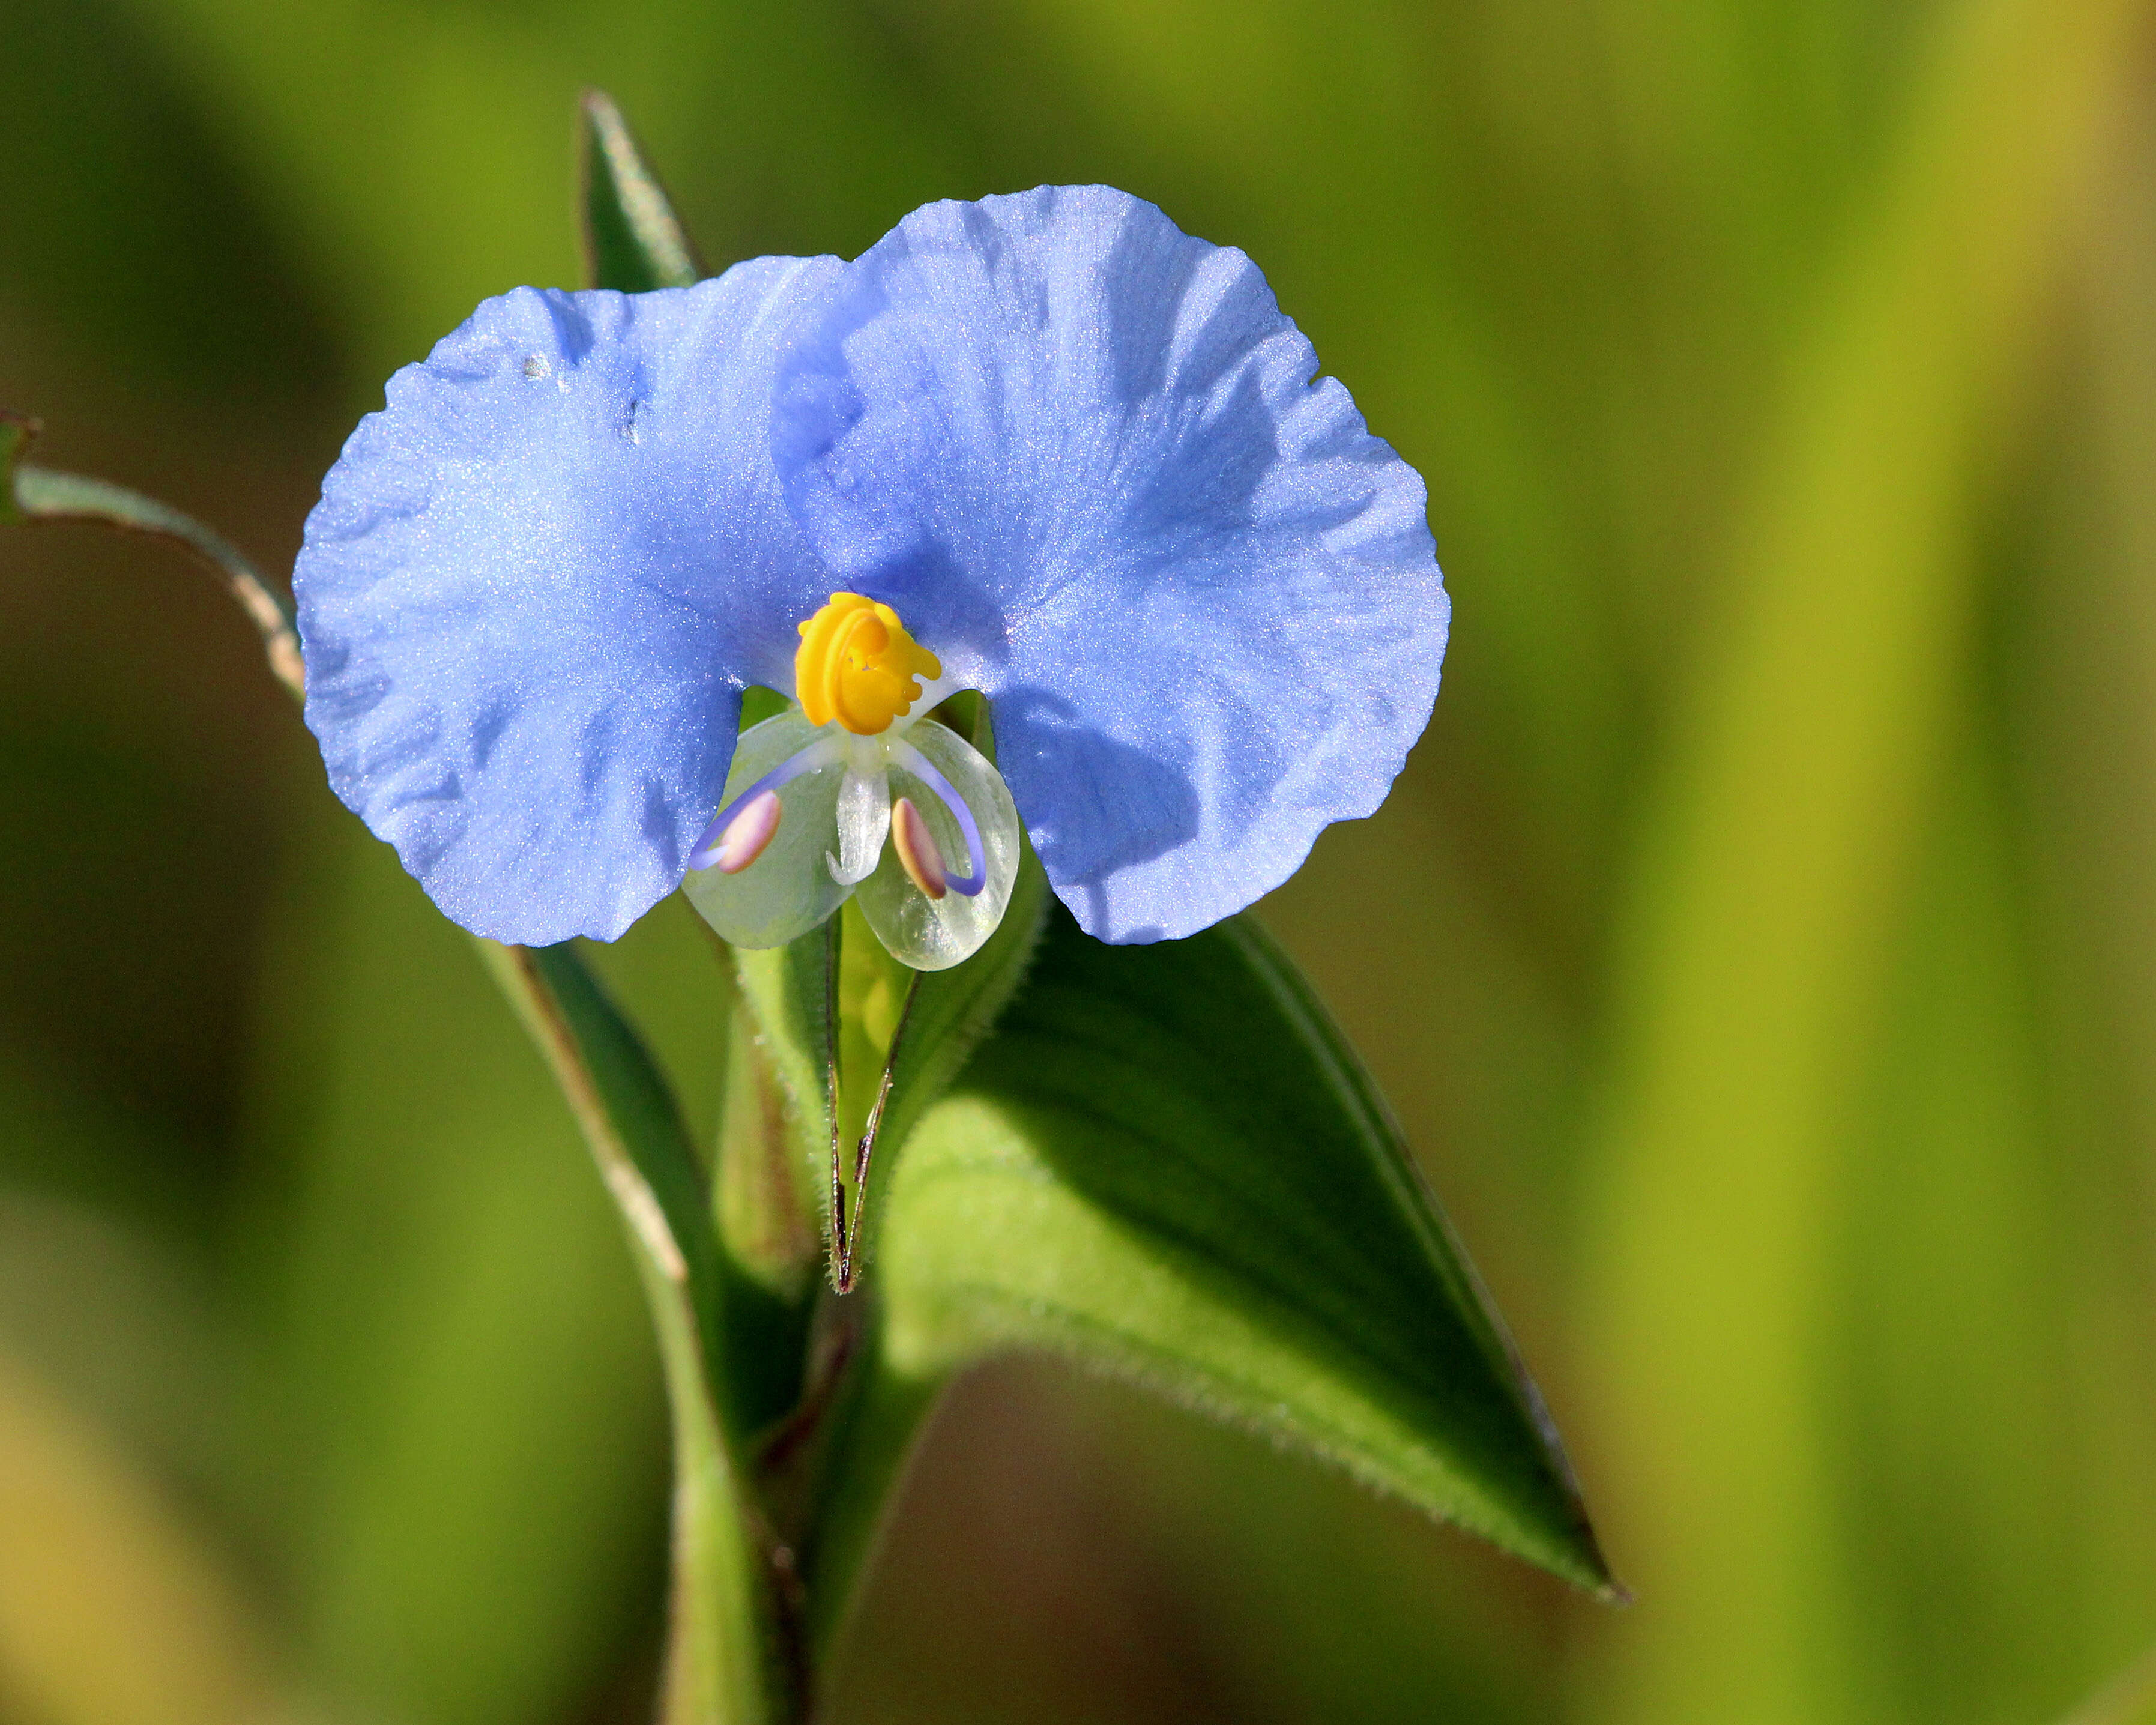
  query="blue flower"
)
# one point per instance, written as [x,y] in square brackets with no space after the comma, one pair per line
[1048,447]
[537,583]
[1081,454]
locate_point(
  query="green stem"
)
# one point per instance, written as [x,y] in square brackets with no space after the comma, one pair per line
[870,1448]
[44,494]
[729,1653]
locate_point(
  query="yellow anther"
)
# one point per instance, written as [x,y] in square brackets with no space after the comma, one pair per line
[857,665]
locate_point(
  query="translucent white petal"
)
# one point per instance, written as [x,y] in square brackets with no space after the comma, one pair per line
[935,934]
[788,890]
[863,819]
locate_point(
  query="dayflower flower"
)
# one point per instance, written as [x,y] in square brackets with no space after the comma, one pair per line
[1047,447]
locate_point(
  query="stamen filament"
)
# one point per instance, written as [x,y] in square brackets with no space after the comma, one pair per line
[904,754]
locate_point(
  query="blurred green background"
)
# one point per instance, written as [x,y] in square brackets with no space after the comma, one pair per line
[1760,948]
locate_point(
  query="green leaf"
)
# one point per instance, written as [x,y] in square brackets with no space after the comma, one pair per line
[1168,1164]
[632,239]
[948,1012]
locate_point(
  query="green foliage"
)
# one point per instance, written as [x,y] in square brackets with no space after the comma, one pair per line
[1807,772]
[947,1012]
[1168,1165]
[632,239]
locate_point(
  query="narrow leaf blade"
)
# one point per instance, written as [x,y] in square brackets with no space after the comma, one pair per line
[1168,1164]
[632,241]
[947,1012]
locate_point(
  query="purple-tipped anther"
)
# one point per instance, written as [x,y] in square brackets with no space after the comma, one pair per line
[748,833]
[923,768]
[918,853]
[712,849]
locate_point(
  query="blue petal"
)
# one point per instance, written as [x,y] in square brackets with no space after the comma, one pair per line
[537,582]
[1083,453]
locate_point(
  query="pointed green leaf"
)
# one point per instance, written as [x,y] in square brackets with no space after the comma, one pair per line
[1168,1164]
[632,239]
[946,1012]
[793,993]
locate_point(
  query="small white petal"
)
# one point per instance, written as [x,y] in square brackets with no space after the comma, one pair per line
[789,891]
[916,928]
[863,819]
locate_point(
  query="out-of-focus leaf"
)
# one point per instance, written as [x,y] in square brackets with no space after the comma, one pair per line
[1167,1164]
[632,240]
[1804,758]
[112,1610]
[2129,1699]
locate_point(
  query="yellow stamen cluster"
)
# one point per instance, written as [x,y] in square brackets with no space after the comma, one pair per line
[857,665]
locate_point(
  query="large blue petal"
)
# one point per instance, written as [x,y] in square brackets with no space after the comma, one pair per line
[1083,453]
[537,582]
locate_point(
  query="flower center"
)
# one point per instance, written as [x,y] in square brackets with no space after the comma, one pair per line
[857,665]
